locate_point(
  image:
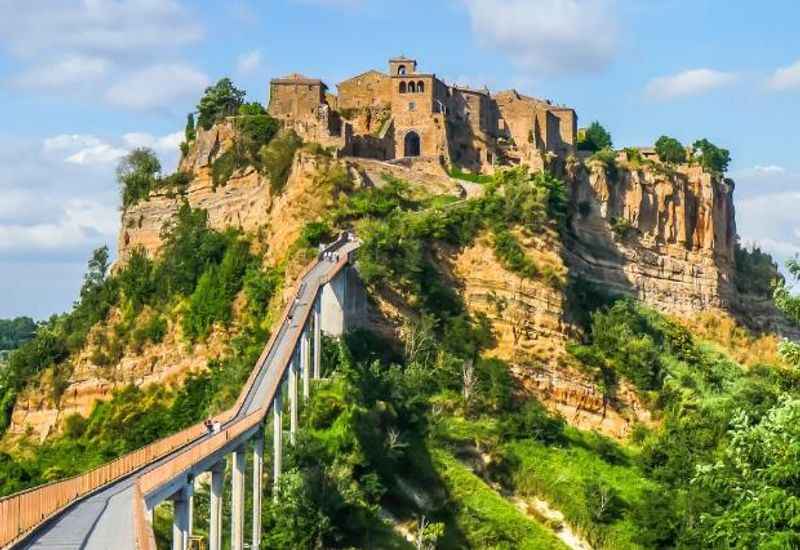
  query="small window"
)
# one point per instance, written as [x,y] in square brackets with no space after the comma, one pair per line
[402,87]
[412,106]
[412,88]
[401,70]
[420,87]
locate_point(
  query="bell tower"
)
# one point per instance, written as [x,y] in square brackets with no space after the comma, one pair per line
[402,66]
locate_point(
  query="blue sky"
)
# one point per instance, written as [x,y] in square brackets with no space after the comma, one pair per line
[81,82]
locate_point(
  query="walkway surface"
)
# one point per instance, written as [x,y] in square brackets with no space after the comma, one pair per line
[103,521]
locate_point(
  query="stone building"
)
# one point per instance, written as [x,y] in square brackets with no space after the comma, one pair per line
[405,114]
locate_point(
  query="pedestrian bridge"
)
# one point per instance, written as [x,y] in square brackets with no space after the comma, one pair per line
[112,505]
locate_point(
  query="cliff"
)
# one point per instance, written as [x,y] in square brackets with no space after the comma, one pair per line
[665,237]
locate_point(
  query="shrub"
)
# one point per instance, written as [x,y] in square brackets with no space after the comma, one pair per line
[315,233]
[608,158]
[756,271]
[512,255]
[277,158]
[670,150]
[223,167]
[189,133]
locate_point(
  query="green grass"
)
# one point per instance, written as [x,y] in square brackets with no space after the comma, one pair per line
[482,515]
[559,474]
[467,176]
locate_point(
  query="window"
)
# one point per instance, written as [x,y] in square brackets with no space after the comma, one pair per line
[401,70]
[420,87]
[402,87]
[412,106]
[412,88]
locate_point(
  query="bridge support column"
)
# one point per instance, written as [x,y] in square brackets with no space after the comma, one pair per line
[317,338]
[293,399]
[237,498]
[305,367]
[277,439]
[181,518]
[258,474]
[215,510]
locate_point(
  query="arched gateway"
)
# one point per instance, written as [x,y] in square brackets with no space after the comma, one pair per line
[412,145]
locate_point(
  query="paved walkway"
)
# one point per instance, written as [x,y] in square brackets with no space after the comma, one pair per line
[103,521]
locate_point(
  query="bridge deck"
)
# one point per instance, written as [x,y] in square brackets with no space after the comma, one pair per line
[103,520]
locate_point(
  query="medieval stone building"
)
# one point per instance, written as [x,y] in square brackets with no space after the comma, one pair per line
[410,114]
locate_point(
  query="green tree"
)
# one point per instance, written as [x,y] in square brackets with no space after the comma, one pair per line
[670,150]
[713,159]
[137,174]
[190,133]
[220,100]
[594,138]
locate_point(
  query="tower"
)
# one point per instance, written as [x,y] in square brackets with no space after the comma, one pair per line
[401,66]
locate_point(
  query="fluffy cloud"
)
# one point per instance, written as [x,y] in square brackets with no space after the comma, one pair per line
[786,78]
[548,36]
[156,86]
[88,48]
[769,169]
[69,71]
[687,83]
[249,62]
[163,144]
[113,27]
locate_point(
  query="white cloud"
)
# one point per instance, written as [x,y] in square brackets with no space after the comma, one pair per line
[157,86]
[69,71]
[687,83]
[98,154]
[769,169]
[249,62]
[164,144]
[144,27]
[550,36]
[786,78]
[70,141]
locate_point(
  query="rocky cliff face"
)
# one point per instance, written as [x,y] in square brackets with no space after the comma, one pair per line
[667,239]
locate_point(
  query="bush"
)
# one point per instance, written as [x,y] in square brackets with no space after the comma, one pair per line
[756,272]
[277,158]
[670,150]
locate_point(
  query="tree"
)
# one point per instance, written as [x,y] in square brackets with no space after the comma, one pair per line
[220,100]
[190,133]
[670,150]
[712,158]
[594,138]
[137,174]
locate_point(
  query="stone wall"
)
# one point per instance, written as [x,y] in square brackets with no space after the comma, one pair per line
[370,89]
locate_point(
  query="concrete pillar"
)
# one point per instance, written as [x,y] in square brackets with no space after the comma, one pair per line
[317,338]
[305,366]
[237,498]
[258,475]
[190,527]
[180,518]
[277,437]
[293,399]
[215,510]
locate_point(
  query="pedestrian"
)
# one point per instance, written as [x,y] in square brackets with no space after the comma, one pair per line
[208,425]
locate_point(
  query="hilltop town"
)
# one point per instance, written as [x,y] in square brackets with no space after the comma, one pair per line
[410,114]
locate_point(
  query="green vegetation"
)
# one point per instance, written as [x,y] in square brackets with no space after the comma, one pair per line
[756,271]
[139,174]
[15,332]
[713,159]
[277,158]
[458,173]
[221,100]
[202,271]
[594,138]
[670,150]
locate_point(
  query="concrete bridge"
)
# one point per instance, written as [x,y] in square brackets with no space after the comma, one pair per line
[112,506]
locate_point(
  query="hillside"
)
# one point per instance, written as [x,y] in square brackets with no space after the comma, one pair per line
[574,357]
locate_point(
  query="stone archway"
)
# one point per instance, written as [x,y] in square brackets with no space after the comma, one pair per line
[412,145]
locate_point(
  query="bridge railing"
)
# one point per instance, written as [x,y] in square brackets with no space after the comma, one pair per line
[21,512]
